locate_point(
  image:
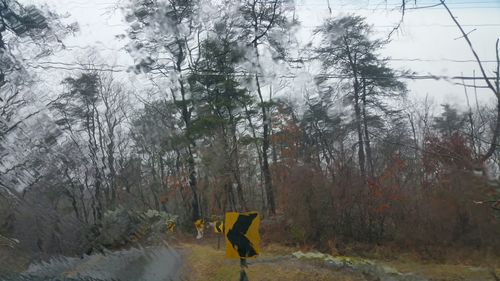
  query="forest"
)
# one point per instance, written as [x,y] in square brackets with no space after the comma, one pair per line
[219,126]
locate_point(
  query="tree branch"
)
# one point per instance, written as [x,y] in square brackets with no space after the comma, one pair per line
[471,47]
[271,21]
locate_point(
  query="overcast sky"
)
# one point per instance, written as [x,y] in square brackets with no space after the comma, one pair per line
[428,35]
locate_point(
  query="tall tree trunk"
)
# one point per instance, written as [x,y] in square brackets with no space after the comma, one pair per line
[369,158]
[230,196]
[90,128]
[153,187]
[237,173]
[361,152]
[111,165]
[232,162]
[163,183]
[193,184]
[265,146]
[265,156]
[357,109]
[259,155]
[271,133]
[186,116]
[256,21]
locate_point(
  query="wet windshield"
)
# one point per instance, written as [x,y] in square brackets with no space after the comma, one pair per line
[249,140]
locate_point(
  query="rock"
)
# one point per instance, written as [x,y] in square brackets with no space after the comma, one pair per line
[364,266]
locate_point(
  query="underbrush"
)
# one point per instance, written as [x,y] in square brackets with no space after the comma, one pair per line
[12,260]
[280,233]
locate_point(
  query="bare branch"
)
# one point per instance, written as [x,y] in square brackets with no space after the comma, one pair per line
[467,34]
[476,56]
[14,126]
[271,22]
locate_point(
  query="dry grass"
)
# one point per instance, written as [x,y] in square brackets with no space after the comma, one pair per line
[443,264]
[444,272]
[204,262]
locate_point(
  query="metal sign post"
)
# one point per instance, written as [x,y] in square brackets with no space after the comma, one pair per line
[243,265]
[218,229]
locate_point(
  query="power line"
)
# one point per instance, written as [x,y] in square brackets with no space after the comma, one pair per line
[396,8]
[75,64]
[303,59]
[394,4]
[71,68]
[419,25]
[430,3]
[125,68]
[459,3]
[51,63]
[246,74]
[443,25]
[441,60]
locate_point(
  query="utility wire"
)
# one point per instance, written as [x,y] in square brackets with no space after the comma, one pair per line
[56,63]
[396,9]
[418,25]
[292,76]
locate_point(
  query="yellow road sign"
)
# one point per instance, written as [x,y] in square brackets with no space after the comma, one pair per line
[242,235]
[218,227]
[199,224]
[170,226]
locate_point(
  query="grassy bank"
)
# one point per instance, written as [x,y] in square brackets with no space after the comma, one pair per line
[204,262]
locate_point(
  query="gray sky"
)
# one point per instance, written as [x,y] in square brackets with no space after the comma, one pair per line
[426,34]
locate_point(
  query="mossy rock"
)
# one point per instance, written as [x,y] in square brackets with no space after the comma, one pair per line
[357,264]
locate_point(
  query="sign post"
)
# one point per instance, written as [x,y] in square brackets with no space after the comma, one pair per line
[243,265]
[218,228]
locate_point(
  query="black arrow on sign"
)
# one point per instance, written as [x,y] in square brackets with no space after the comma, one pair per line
[237,238]
[218,226]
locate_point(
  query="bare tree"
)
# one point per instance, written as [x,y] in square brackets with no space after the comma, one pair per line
[262,20]
[170,29]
